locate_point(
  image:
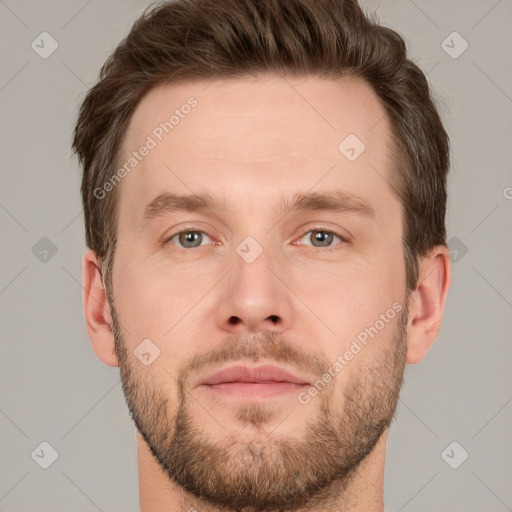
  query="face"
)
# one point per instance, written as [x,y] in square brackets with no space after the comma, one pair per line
[274,313]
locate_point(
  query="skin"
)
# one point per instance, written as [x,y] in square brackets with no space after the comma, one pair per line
[247,143]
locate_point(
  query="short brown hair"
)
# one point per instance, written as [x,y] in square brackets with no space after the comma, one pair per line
[184,40]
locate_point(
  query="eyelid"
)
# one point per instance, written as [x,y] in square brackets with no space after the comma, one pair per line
[321,227]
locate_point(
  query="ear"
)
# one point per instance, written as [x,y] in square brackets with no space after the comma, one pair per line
[427,302]
[97,310]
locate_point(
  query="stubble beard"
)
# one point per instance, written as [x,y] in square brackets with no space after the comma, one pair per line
[268,473]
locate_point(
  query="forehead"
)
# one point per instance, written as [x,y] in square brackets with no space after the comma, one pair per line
[256,137]
[303,108]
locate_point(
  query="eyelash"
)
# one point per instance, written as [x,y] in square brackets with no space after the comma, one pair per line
[317,228]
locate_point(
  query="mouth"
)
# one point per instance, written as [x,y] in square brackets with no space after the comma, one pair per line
[258,382]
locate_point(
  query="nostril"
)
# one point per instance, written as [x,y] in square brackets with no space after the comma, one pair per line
[234,320]
[274,318]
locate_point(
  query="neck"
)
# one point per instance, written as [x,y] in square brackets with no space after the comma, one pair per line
[364,492]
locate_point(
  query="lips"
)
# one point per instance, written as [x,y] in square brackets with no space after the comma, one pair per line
[259,375]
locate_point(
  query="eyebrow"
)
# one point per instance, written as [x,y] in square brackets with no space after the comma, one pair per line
[335,201]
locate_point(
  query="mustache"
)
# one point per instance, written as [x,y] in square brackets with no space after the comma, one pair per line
[268,345]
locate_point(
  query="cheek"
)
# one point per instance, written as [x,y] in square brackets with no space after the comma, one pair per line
[347,296]
[146,304]
[359,307]
[147,314]
[154,306]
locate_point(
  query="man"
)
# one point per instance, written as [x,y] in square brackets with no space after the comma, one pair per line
[264,192]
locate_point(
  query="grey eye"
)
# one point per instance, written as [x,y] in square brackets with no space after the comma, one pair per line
[189,239]
[320,237]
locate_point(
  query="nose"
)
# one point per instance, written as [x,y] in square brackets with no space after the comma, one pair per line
[254,296]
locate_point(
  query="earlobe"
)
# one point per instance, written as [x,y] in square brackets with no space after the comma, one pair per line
[97,314]
[427,303]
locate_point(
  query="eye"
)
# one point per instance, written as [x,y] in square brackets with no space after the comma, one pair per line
[322,237]
[189,239]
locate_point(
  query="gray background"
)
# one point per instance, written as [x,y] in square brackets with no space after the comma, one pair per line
[52,387]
